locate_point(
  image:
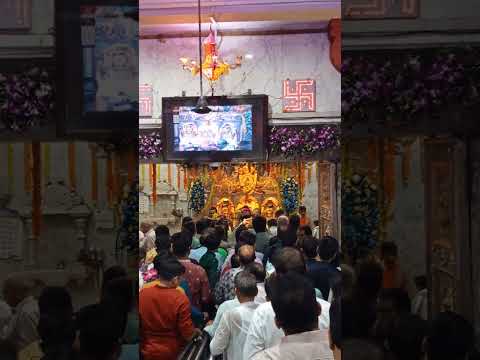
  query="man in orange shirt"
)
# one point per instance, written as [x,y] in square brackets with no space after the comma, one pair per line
[304,219]
[165,315]
[393,276]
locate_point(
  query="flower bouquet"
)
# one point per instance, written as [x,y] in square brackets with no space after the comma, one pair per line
[290,194]
[197,196]
[360,214]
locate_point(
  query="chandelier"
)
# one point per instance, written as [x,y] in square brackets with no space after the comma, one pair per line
[213,67]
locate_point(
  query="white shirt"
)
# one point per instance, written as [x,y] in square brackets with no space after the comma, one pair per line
[222,309]
[311,345]
[22,328]
[262,295]
[231,334]
[264,333]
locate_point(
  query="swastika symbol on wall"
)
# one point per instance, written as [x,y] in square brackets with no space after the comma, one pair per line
[145,100]
[299,95]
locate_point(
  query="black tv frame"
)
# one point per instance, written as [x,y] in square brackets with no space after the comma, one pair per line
[71,120]
[259,129]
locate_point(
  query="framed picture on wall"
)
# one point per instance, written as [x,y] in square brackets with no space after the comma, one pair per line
[16,15]
[97,46]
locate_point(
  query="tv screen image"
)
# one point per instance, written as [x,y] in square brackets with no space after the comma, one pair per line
[225,128]
[110,58]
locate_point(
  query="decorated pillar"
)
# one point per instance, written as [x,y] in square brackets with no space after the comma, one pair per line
[335,36]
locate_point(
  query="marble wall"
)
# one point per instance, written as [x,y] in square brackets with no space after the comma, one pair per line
[58,239]
[407,227]
[275,58]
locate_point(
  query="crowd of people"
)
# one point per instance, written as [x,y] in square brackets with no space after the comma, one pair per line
[46,327]
[381,320]
[260,290]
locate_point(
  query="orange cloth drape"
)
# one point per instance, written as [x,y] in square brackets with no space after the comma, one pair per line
[335,36]
[185,179]
[72,177]
[36,189]
[178,178]
[109,181]
[27,167]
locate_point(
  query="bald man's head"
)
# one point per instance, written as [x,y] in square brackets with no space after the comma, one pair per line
[246,255]
[289,259]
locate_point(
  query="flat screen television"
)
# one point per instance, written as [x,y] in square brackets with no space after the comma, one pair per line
[234,130]
[97,46]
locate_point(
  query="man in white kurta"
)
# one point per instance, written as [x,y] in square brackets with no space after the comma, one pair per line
[231,333]
[296,312]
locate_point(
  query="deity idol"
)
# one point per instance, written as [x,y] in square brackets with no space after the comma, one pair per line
[188,136]
[229,136]
[116,72]
[269,207]
[208,131]
[225,208]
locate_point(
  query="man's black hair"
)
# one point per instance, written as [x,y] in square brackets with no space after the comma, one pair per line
[328,248]
[163,243]
[100,332]
[113,272]
[56,326]
[302,207]
[202,225]
[279,213]
[307,230]
[451,337]
[310,247]
[119,293]
[294,303]
[259,224]
[210,239]
[272,222]
[181,244]
[189,226]
[369,279]
[406,337]
[316,222]
[420,282]
[294,222]
[235,261]
[162,230]
[238,231]
[257,270]
[247,238]
[221,232]
[168,266]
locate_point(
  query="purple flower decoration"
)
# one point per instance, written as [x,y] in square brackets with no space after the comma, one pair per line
[150,146]
[292,142]
[25,99]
